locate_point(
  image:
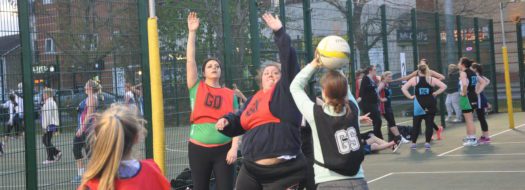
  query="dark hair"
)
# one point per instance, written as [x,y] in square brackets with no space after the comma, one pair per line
[12,98]
[335,86]
[206,62]
[478,68]
[367,70]
[466,62]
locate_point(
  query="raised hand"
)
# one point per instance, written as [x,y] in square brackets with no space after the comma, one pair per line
[193,22]
[272,22]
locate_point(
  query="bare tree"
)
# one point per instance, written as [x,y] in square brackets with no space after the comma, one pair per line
[366,24]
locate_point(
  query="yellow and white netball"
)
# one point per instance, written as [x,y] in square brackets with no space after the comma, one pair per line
[334,52]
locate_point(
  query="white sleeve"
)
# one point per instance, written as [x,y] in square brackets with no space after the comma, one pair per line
[301,99]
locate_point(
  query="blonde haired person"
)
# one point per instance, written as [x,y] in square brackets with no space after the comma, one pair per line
[50,124]
[431,72]
[112,165]
[86,108]
[385,96]
[425,103]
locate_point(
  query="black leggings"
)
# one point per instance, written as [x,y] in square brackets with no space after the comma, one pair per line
[52,151]
[482,119]
[285,175]
[308,150]
[79,143]
[204,160]
[429,125]
[375,115]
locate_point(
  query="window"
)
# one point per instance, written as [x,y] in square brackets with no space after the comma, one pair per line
[46,2]
[49,45]
[89,41]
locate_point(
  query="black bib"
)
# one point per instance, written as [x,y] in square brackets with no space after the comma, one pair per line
[340,141]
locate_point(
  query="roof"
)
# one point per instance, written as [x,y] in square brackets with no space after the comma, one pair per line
[8,43]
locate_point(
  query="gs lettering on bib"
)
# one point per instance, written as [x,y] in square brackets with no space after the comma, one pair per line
[211,104]
[257,112]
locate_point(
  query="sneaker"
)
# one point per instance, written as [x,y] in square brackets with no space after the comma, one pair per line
[404,141]
[413,146]
[58,156]
[427,146]
[470,142]
[484,140]
[439,131]
[448,119]
[77,179]
[48,162]
[457,120]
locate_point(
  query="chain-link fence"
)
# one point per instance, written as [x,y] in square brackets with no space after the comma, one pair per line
[73,41]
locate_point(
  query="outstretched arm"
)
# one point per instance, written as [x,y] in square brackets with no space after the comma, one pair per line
[300,97]
[407,77]
[191,64]
[287,55]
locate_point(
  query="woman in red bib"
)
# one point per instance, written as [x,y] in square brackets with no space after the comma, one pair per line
[270,122]
[112,166]
[208,150]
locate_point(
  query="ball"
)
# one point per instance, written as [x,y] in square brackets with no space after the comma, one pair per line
[334,52]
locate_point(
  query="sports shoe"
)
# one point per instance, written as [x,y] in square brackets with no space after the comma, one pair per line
[484,140]
[470,142]
[76,179]
[427,146]
[48,162]
[448,119]
[457,120]
[413,146]
[439,131]
[404,141]
[58,156]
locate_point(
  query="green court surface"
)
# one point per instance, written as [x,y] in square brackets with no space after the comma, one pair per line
[448,165]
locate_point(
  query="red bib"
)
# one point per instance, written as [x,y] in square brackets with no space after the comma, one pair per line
[149,177]
[211,104]
[257,112]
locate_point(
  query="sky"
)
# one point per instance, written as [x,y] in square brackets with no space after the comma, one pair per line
[8,19]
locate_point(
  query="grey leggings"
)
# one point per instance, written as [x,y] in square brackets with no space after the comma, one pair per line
[345,184]
[452,103]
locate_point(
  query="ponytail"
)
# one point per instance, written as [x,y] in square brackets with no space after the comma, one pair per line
[113,137]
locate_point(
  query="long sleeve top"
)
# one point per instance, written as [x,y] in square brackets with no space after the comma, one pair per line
[50,113]
[306,107]
[368,91]
[274,139]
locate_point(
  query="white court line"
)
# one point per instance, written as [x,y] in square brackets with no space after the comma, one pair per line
[388,174]
[504,131]
[445,172]
[509,154]
[507,143]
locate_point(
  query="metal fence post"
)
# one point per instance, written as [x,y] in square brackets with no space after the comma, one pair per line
[350,34]
[31,173]
[521,61]
[458,33]
[282,12]
[415,53]
[476,40]
[227,40]
[307,19]
[146,81]
[439,65]
[254,38]
[493,67]
[384,38]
